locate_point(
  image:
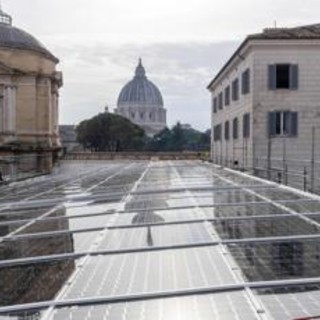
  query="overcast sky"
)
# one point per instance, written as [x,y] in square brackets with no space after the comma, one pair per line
[183,43]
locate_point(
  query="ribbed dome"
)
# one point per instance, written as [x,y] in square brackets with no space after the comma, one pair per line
[140,91]
[12,37]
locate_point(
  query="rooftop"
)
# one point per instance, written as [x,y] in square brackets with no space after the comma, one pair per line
[157,240]
[297,33]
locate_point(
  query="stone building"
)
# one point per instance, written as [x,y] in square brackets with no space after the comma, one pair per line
[29,94]
[141,102]
[266,103]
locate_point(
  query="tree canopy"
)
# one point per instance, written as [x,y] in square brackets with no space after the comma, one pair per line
[110,132]
[180,138]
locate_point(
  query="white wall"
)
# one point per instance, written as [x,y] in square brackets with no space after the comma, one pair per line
[305,100]
[226,152]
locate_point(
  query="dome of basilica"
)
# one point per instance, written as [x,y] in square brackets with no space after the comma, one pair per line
[140,91]
[12,37]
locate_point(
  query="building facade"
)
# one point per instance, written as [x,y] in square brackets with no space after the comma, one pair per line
[266,103]
[141,102]
[29,95]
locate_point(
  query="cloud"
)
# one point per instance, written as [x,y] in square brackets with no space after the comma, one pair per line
[94,75]
[183,45]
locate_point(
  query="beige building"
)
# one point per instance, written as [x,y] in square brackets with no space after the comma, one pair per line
[141,102]
[29,95]
[266,105]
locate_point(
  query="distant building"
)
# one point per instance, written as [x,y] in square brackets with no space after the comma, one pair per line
[68,137]
[29,95]
[266,100]
[141,102]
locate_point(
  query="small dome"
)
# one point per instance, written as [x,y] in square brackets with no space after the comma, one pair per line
[140,91]
[12,37]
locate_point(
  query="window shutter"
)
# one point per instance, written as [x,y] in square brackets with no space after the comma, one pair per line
[246,125]
[294,124]
[294,77]
[271,124]
[248,81]
[235,128]
[243,83]
[272,76]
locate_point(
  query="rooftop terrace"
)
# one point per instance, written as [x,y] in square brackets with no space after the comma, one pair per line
[157,240]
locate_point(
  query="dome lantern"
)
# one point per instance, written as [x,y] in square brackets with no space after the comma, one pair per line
[4,17]
[140,71]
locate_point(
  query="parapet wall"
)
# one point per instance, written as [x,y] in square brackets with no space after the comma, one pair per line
[136,156]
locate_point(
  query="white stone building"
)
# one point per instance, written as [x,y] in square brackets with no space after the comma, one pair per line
[266,102]
[141,102]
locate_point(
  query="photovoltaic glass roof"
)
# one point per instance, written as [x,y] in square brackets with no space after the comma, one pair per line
[157,240]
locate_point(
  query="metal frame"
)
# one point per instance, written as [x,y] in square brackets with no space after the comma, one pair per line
[223,243]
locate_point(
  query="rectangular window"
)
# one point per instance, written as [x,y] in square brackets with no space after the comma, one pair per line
[245,82]
[217,132]
[246,125]
[226,130]
[283,123]
[235,129]
[283,76]
[227,96]
[220,101]
[214,105]
[235,89]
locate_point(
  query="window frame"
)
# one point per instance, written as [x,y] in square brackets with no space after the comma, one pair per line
[283,123]
[220,100]
[227,96]
[293,76]
[246,126]
[227,130]
[245,82]
[235,128]
[235,89]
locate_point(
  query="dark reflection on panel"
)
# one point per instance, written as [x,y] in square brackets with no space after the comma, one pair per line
[282,260]
[239,196]
[15,215]
[259,228]
[41,281]
[13,249]
[33,283]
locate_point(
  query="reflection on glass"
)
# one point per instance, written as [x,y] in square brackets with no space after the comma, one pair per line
[39,281]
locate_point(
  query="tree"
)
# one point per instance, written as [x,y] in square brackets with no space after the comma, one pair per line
[110,132]
[180,138]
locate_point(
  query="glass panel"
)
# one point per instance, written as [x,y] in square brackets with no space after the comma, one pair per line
[295,302]
[34,282]
[226,306]
[150,272]
[55,244]
[281,260]
[259,228]
[155,236]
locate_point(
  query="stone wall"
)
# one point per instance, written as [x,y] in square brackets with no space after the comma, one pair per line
[136,156]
